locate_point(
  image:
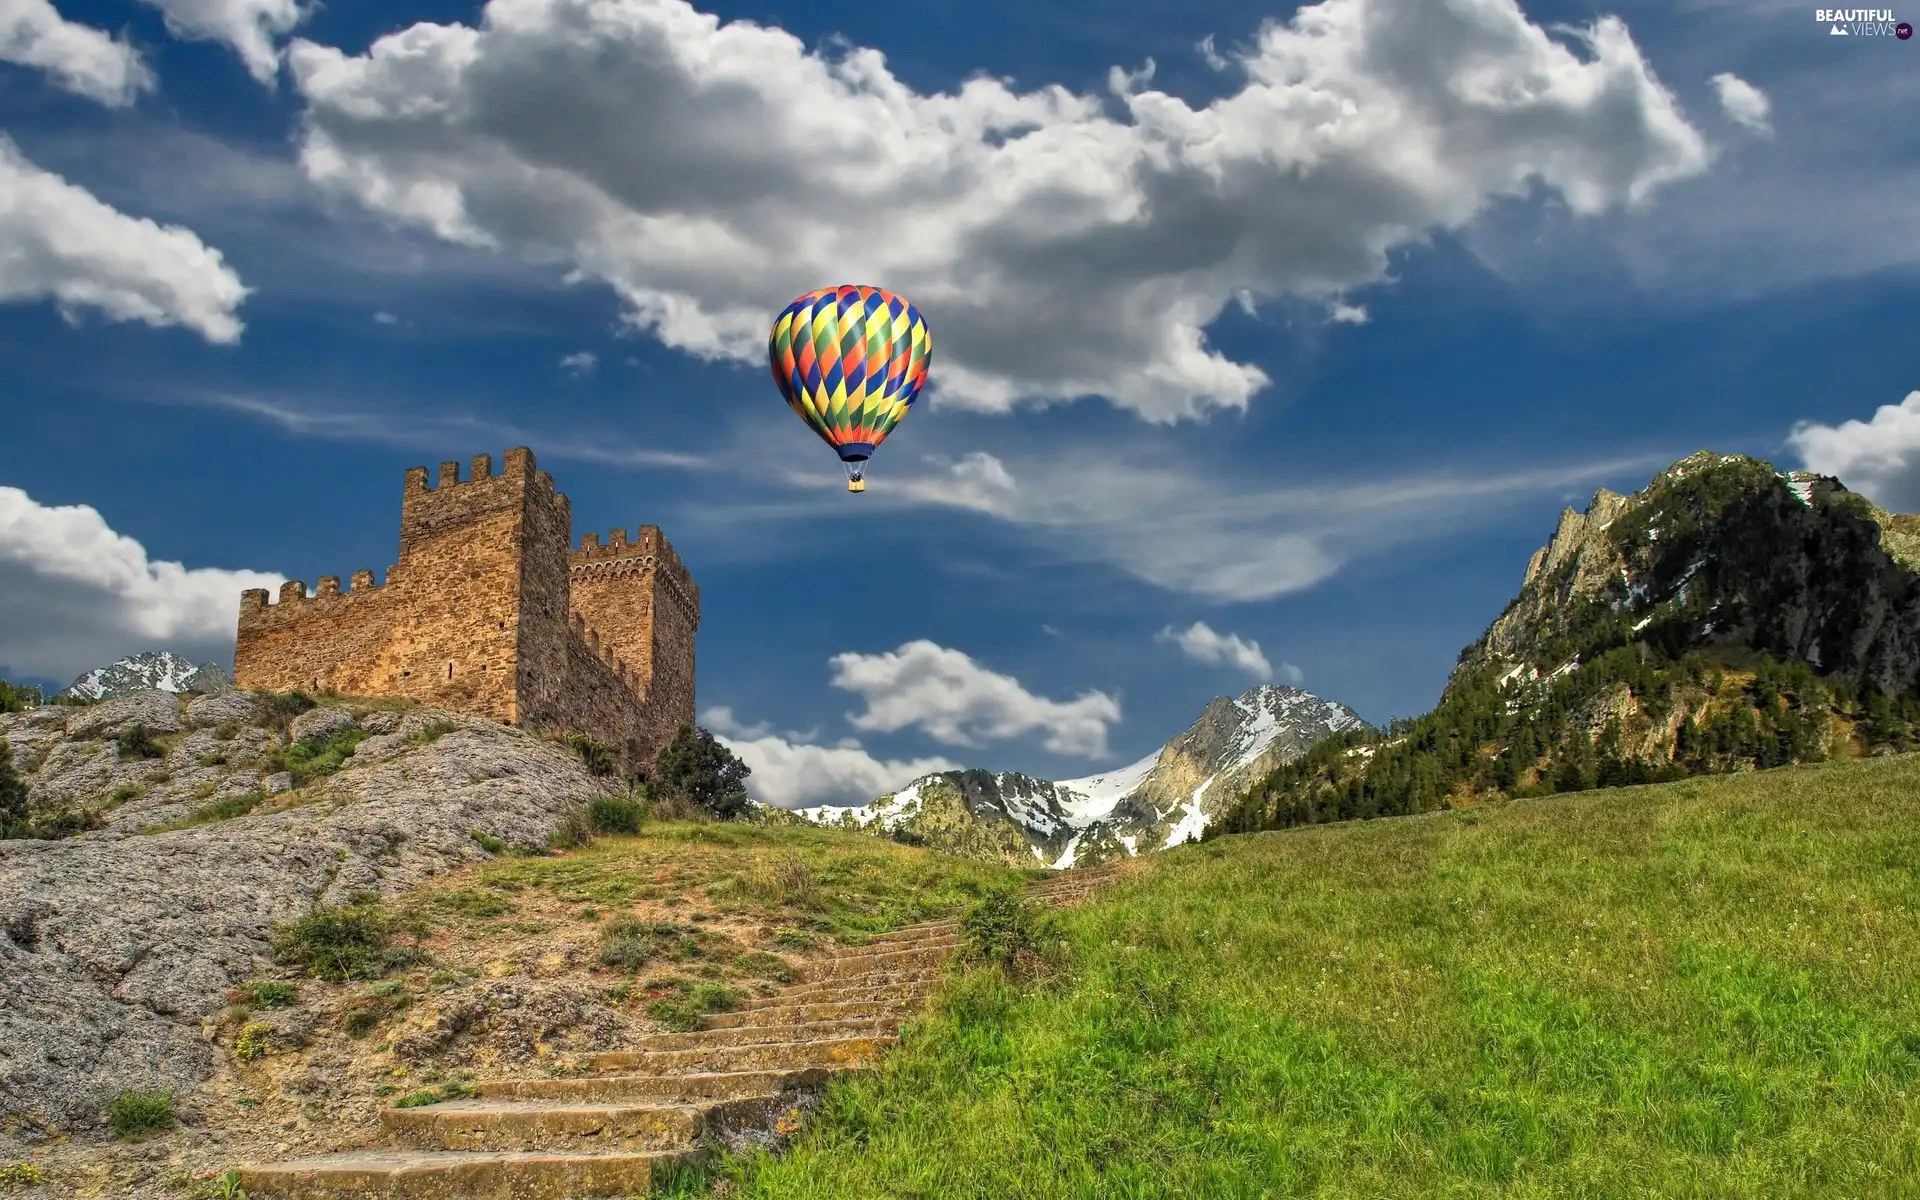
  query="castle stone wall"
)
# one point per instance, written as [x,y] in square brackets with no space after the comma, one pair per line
[489,612]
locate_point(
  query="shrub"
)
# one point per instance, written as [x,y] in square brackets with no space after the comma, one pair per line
[598,758]
[122,794]
[353,941]
[23,1173]
[224,1186]
[269,993]
[695,767]
[136,741]
[614,814]
[276,710]
[134,1113]
[574,832]
[253,1042]
[628,944]
[489,843]
[311,759]
[453,1089]
[1007,931]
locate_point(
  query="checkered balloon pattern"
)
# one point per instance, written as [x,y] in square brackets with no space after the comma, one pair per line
[850,361]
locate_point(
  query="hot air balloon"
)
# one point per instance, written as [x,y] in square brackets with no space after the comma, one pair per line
[850,361]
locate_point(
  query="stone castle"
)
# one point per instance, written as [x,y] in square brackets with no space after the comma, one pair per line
[489,611]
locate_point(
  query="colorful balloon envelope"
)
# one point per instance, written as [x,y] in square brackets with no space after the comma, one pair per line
[850,361]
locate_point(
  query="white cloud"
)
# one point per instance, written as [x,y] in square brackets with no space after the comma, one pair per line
[1743,103]
[1349,314]
[75,595]
[580,362]
[1200,643]
[1058,252]
[954,700]
[1211,56]
[59,242]
[82,59]
[788,772]
[1879,458]
[385,318]
[1292,674]
[249,27]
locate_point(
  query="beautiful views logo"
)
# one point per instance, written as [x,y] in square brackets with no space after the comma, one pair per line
[1862,22]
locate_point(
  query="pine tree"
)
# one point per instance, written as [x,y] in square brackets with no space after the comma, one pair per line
[696,768]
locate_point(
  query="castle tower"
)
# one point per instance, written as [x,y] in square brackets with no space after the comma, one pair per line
[488,612]
[640,599]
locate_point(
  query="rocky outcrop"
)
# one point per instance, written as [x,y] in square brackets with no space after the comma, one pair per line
[116,945]
[1721,551]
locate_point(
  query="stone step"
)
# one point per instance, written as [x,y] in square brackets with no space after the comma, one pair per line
[456,1175]
[946,942]
[803,1014]
[701,1085]
[552,1126]
[749,1035]
[751,1056]
[861,964]
[912,933]
[889,992]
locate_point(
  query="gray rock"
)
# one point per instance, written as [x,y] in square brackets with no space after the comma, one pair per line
[158,711]
[281,781]
[219,709]
[380,722]
[114,947]
[318,724]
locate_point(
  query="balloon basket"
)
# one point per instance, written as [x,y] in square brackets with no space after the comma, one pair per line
[856,485]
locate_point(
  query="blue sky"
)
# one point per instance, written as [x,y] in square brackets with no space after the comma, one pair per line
[1304,338]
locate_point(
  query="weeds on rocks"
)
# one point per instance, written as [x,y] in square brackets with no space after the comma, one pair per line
[598,758]
[352,941]
[22,1174]
[276,710]
[136,741]
[134,1113]
[682,1013]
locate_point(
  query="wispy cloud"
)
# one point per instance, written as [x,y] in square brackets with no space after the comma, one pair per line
[1203,644]
[580,362]
[424,431]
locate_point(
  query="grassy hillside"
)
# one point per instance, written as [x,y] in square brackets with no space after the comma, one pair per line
[1702,988]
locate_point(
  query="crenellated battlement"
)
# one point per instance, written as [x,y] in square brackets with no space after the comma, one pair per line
[489,611]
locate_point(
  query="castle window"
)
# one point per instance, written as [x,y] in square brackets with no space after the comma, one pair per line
[449,670]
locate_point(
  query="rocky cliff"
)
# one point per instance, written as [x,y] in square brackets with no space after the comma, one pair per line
[1162,800]
[1726,617]
[203,822]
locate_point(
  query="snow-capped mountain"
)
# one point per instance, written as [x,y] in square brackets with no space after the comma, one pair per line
[1164,799]
[160,669]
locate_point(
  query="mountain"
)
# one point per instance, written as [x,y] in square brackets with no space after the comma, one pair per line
[1727,617]
[1164,799]
[159,670]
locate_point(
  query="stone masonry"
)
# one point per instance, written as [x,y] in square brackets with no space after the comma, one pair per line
[488,611]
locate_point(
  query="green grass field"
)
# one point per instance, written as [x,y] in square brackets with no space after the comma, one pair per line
[1709,988]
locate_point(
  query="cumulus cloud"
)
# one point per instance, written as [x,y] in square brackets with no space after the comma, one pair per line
[580,362]
[1200,643]
[1743,103]
[59,242]
[248,27]
[1059,251]
[75,595]
[1879,458]
[1348,314]
[791,772]
[954,700]
[80,58]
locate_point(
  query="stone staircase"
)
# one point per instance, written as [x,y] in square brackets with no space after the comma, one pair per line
[657,1104]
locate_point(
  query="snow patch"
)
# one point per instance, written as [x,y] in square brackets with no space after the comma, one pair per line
[1094,797]
[1193,822]
[1066,856]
